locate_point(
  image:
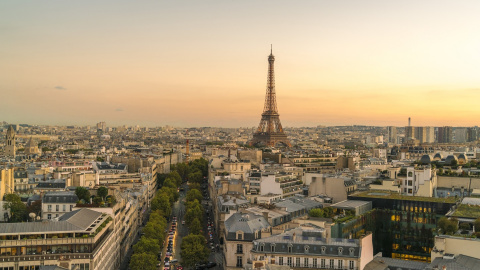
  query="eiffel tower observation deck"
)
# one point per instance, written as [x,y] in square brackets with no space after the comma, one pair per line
[270,131]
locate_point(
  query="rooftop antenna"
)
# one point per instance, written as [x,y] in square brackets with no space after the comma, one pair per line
[271,49]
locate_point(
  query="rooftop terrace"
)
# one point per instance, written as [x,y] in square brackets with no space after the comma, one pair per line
[386,194]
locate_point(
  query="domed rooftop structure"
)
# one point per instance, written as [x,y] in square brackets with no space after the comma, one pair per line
[437,157]
[426,159]
[449,159]
[462,159]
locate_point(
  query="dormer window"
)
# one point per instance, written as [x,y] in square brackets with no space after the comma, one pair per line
[272,248]
[239,235]
[323,250]
[262,247]
[351,250]
[290,248]
[306,249]
[340,251]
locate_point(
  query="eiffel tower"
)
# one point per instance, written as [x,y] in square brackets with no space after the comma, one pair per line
[270,131]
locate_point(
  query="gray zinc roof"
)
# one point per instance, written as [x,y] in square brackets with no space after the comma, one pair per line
[60,197]
[75,221]
[247,223]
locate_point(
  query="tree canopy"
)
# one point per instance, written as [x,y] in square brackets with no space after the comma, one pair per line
[193,250]
[83,194]
[147,245]
[18,210]
[102,192]
[143,261]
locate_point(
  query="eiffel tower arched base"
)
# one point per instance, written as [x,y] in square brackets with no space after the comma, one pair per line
[271,140]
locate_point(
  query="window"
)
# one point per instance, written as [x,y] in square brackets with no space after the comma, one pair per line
[261,247]
[351,264]
[272,248]
[340,264]
[297,262]
[332,263]
[323,249]
[239,261]
[315,263]
[305,261]
[49,207]
[71,208]
[280,261]
[49,216]
[289,249]
[289,261]
[239,248]
[322,263]
[409,182]
[306,249]
[410,174]
[64,208]
[240,235]
[57,207]
[340,250]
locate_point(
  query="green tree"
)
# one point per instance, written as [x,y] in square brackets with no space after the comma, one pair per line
[18,210]
[194,210]
[182,169]
[201,165]
[157,216]
[194,194]
[102,192]
[82,194]
[147,245]
[176,176]
[194,186]
[143,261]
[317,212]
[170,182]
[154,230]
[476,223]
[442,223]
[193,250]
[97,200]
[195,226]
[35,207]
[195,177]
[162,203]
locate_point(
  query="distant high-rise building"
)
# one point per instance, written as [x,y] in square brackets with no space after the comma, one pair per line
[10,142]
[101,126]
[421,134]
[409,132]
[392,134]
[270,131]
[472,134]
[460,135]
[430,134]
[445,135]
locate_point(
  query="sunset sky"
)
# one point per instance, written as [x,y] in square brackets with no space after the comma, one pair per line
[204,63]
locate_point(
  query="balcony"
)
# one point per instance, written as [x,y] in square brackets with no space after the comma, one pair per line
[48,241]
[43,257]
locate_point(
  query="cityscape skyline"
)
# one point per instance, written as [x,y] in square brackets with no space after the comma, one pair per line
[190,64]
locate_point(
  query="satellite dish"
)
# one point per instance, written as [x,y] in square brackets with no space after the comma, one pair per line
[32,215]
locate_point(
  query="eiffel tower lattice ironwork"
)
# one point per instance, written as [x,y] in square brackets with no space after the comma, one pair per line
[270,131]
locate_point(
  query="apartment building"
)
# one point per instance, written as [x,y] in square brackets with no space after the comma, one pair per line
[240,232]
[81,238]
[302,248]
[56,204]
